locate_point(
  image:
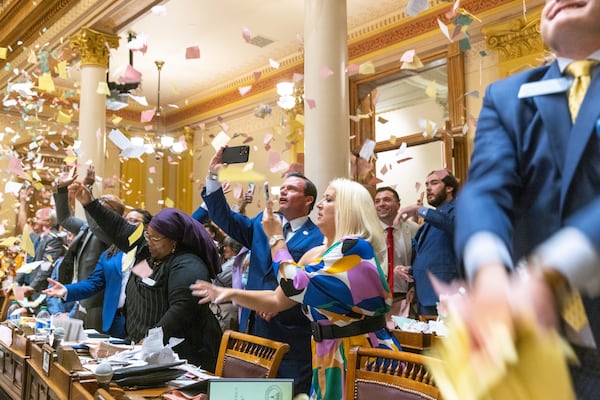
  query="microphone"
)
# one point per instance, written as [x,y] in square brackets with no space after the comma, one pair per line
[104,374]
[57,337]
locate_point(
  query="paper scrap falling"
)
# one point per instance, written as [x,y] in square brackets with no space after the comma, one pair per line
[192,52]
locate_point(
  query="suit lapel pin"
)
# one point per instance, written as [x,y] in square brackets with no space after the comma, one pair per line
[305,233]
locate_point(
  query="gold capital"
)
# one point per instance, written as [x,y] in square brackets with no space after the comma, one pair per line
[94,46]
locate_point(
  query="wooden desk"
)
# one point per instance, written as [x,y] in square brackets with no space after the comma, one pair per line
[13,365]
[414,342]
[46,380]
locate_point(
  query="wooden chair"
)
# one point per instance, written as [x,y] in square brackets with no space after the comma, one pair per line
[380,374]
[248,356]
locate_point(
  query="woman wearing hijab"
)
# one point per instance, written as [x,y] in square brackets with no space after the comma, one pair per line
[341,284]
[174,252]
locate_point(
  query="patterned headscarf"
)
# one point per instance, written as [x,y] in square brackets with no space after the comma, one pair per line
[190,236]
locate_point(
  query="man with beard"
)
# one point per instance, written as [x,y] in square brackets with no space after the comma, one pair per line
[433,243]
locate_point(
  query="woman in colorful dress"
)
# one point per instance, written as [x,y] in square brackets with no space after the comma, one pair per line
[341,284]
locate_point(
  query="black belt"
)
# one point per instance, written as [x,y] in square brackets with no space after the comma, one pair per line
[366,325]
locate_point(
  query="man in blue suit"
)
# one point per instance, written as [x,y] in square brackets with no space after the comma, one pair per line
[534,191]
[296,200]
[433,243]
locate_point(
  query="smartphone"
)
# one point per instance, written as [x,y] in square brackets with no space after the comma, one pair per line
[235,154]
[266,190]
[251,188]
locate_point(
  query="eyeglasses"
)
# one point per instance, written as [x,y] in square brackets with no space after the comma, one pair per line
[152,239]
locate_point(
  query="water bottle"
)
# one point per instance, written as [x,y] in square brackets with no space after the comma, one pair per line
[42,322]
[12,315]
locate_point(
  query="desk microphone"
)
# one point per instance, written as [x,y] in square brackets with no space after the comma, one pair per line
[57,337]
[104,374]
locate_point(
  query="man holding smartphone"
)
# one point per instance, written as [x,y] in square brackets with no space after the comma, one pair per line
[296,199]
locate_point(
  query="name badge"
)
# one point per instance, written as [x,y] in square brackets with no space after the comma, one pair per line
[149,281]
[549,86]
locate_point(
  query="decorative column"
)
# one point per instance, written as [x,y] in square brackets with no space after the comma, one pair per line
[93,46]
[327,127]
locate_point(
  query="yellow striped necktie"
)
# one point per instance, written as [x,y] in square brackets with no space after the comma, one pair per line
[580,71]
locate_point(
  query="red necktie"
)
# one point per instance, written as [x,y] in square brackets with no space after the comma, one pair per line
[389,240]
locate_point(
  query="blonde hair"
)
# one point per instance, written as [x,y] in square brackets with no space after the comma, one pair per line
[355,213]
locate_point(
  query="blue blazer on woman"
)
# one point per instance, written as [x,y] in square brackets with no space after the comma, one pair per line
[107,276]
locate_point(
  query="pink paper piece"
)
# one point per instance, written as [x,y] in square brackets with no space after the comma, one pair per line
[131,75]
[148,128]
[99,133]
[152,170]
[147,115]
[15,166]
[417,186]
[297,77]
[192,52]
[257,75]
[268,138]
[352,68]
[246,34]
[326,72]
[299,39]
[311,103]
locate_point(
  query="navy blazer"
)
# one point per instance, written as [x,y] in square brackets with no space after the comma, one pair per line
[434,252]
[107,276]
[290,326]
[533,171]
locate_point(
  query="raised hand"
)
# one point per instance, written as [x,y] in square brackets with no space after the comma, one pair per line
[66,177]
[90,176]
[80,192]
[271,223]
[216,162]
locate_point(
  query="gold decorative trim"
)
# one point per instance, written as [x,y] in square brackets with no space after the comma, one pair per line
[94,46]
[520,39]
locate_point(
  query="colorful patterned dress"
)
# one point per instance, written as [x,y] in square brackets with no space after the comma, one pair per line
[346,284]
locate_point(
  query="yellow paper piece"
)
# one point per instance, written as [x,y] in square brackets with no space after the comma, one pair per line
[38,185]
[63,117]
[117,120]
[366,68]
[129,258]
[70,159]
[300,118]
[61,70]
[27,244]
[103,88]
[137,234]
[9,241]
[3,52]
[169,203]
[532,365]
[431,91]
[46,83]
[235,173]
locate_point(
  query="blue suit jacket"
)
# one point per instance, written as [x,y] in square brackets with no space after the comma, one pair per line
[533,171]
[289,326]
[106,276]
[434,252]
